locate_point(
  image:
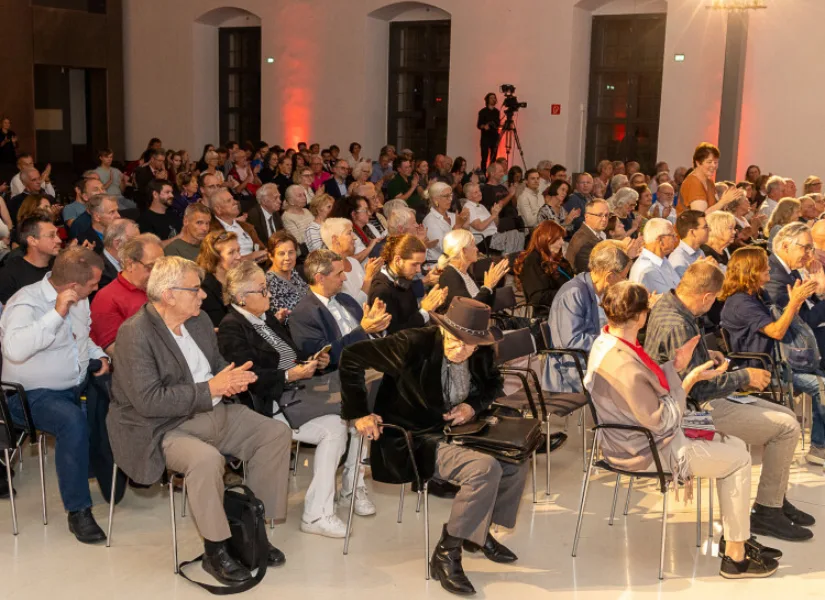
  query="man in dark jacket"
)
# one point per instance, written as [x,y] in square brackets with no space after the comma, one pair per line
[596,215]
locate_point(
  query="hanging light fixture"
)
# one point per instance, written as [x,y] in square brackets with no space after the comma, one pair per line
[736,4]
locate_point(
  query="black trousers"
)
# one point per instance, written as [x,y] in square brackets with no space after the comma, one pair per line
[489,149]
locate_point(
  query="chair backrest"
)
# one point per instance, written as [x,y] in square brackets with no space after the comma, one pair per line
[515,344]
[7,438]
[504,299]
[544,326]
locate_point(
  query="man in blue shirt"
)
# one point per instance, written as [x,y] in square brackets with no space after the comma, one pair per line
[652,269]
[694,231]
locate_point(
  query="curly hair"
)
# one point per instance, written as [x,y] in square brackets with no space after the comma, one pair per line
[209,256]
[744,271]
[545,235]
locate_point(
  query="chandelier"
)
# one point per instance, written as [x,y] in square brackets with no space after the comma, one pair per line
[736,4]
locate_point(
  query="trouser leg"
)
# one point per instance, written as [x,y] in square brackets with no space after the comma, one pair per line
[810,384]
[510,490]
[57,412]
[101,459]
[764,424]
[350,466]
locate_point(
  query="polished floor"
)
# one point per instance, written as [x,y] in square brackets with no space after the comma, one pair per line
[386,558]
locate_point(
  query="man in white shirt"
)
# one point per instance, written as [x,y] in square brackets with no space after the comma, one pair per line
[693,231]
[25,161]
[530,201]
[774,192]
[44,332]
[225,210]
[652,270]
[543,167]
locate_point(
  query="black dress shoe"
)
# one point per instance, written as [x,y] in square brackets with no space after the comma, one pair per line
[224,568]
[753,548]
[797,516]
[276,558]
[84,527]
[445,566]
[557,440]
[439,488]
[4,489]
[773,522]
[492,549]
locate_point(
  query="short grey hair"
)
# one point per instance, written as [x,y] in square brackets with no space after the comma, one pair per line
[25,176]
[133,248]
[319,261]
[718,221]
[265,190]
[543,165]
[435,189]
[334,226]
[774,182]
[95,204]
[237,281]
[361,166]
[624,197]
[169,272]
[660,175]
[116,232]
[221,194]
[391,206]
[788,234]
[399,219]
[656,228]
[470,185]
[617,182]
[608,257]
[293,190]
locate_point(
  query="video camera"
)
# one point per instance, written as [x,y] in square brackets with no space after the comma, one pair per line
[510,103]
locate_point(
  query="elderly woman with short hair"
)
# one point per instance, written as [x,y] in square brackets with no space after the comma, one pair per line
[338,237]
[483,224]
[296,217]
[303,176]
[459,254]
[440,221]
[286,287]
[320,207]
[622,204]
[722,227]
[787,211]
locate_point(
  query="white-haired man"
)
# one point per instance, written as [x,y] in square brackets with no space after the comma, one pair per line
[117,234]
[225,211]
[265,217]
[774,190]
[652,269]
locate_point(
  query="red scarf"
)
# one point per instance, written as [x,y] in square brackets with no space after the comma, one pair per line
[360,233]
[645,358]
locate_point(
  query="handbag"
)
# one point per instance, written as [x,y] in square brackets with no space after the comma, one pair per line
[509,439]
[248,545]
[798,348]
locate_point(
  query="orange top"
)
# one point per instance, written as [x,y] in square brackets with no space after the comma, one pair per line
[693,189]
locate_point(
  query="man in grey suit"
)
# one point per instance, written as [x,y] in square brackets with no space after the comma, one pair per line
[167,410]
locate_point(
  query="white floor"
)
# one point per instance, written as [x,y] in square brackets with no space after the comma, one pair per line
[387,558]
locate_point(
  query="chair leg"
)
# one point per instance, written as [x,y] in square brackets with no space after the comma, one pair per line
[183,494]
[583,502]
[41,447]
[426,532]
[11,491]
[535,466]
[111,506]
[352,500]
[664,535]
[243,470]
[584,439]
[627,500]
[297,455]
[418,503]
[710,508]
[547,465]
[698,512]
[401,502]
[174,525]
[615,497]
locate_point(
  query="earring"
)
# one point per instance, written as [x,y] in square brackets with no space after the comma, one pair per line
[241,303]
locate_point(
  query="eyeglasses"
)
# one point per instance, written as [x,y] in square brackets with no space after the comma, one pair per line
[264,292]
[599,215]
[807,248]
[194,290]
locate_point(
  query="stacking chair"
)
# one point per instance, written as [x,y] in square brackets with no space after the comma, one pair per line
[12,438]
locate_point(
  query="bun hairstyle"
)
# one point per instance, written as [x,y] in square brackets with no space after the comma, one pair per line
[403,246]
[434,190]
[624,302]
[453,244]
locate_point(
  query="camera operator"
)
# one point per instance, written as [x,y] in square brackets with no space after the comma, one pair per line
[489,119]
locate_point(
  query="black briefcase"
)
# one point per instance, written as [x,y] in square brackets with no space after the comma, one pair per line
[510,439]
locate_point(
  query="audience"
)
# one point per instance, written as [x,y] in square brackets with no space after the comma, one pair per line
[440,221]
[38,238]
[265,216]
[404,185]
[117,234]
[158,219]
[336,186]
[541,269]
[155,168]
[774,192]
[296,217]
[693,231]
[786,211]
[722,226]
[623,204]
[484,224]
[578,200]
[196,221]
[320,207]
[652,269]
[596,215]
[225,212]
[459,256]
[103,212]
[286,288]
[219,253]
[553,210]
[338,236]
[76,215]
[530,200]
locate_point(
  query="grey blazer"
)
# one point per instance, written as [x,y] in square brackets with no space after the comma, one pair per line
[153,391]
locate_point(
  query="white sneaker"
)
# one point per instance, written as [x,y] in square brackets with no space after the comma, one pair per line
[329,526]
[363,505]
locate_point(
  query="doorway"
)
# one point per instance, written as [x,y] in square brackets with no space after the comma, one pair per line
[239,76]
[419,85]
[626,62]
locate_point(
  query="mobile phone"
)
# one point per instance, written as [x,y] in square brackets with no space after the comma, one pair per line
[324,350]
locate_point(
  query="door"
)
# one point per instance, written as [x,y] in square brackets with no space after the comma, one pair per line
[626,62]
[419,82]
[239,76]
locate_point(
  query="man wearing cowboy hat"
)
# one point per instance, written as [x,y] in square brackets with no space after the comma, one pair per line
[437,376]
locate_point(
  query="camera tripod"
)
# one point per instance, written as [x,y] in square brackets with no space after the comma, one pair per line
[510,134]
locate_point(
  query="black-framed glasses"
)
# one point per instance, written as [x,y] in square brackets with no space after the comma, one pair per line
[194,290]
[264,292]
[599,215]
[807,248]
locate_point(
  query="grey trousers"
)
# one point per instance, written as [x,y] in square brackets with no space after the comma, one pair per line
[490,490]
[765,424]
[197,447]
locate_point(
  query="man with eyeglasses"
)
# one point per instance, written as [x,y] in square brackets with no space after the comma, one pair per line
[652,269]
[116,235]
[694,232]
[596,215]
[208,184]
[38,237]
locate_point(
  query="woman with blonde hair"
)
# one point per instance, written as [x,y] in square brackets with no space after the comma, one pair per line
[303,177]
[787,211]
[722,227]
[360,174]
[219,253]
[440,221]
[459,254]
[212,159]
[320,206]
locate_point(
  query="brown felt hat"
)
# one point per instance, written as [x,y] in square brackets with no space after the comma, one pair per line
[469,321]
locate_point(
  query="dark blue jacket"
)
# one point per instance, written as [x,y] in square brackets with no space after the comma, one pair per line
[312,326]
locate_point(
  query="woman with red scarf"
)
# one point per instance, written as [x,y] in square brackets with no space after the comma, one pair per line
[357,209]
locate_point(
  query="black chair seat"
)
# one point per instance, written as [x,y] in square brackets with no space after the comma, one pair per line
[603,464]
[562,404]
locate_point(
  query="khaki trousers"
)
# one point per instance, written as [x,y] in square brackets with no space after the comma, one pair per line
[197,448]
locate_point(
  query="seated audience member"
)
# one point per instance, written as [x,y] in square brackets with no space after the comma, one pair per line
[663,207]
[576,318]
[355,209]
[615,229]
[336,186]
[219,253]
[403,256]
[296,217]
[494,191]
[404,185]
[722,226]
[225,211]
[460,254]
[338,237]
[812,185]
[359,174]
[242,180]
[596,215]
[694,232]
[187,186]
[483,224]
[808,213]
[541,269]
[455,361]
[196,220]
[553,210]
[818,236]
[208,184]
[113,180]
[167,412]
[18,186]
[382,170]
[30,177]
[629,388]
[440,221]
[44,331]
[116,235]
[377,223]
[303,176]
[38,238]
[652,269]
[326,316]
[752,328]
[672,324]
[579,198]
[623,204]
[774,192]
[123,297]
[283,176]
[37,203]
[249,332]
[84,189]
[103,211]
[403,222]
[787,211]
[286,288]
[265,216]
[530,200]
[618,181]
[319,174]
[154,168]
[320,207]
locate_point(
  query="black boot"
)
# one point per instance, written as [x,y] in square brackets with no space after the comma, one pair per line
[797,516]
[445,565]
[217,562]
[557,440]
[493,550]
[84,527]
[773,522]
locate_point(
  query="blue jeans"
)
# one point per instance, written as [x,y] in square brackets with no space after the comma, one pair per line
[58,412]
[808,383]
